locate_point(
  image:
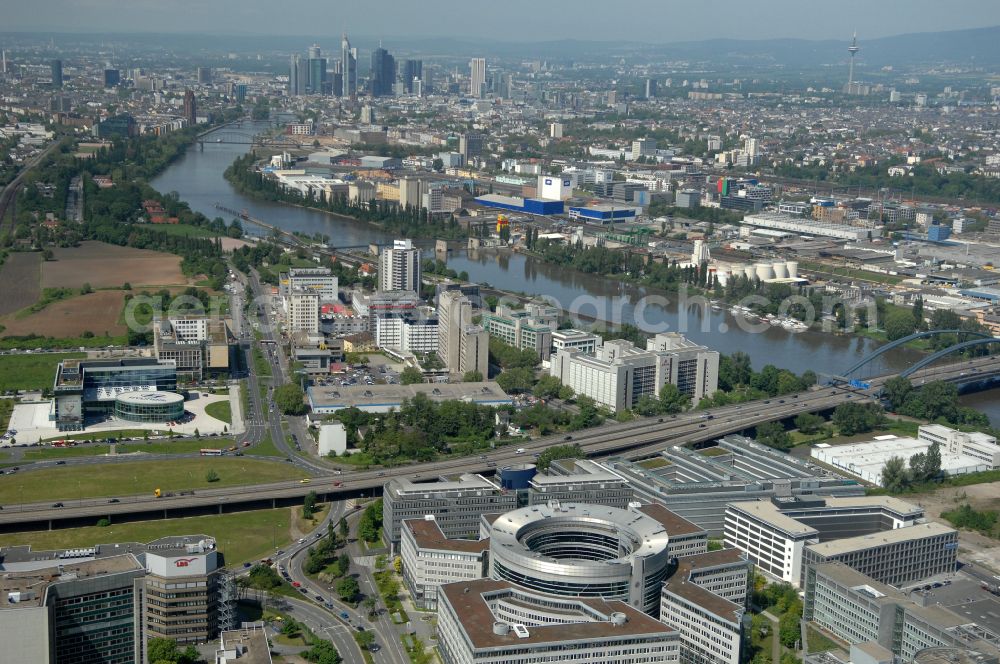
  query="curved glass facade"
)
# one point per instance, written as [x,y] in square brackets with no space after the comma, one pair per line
[149,411]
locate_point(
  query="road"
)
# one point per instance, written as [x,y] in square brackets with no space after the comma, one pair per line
[639,438]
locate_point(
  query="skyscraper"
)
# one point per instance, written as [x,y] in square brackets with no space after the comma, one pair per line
[294,86]
[471,145]
[190,109]
[112,78]
[348,68]
[399,267]
[317,75]
[57,75]
[477,77]
[411,70]
[462,346]
[314,52]
[383,72]
[204,75]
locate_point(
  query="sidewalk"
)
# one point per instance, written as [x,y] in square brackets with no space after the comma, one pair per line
[236,408]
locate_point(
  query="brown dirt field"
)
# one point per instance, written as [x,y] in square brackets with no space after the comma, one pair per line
[97,312]
[109,266]
[232,243]
[972,546]
[20,276]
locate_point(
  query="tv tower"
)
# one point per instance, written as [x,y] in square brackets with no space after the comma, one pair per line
[853,50]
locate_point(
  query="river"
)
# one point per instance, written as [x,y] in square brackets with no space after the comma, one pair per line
[198,178]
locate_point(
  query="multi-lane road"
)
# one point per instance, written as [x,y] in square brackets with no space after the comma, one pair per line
[641,437]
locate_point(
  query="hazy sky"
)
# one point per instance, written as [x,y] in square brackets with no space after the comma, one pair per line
[509,20]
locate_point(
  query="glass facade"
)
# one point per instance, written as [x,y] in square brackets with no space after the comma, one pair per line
[150,407]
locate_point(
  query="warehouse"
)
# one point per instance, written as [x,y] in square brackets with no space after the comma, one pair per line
[603,214]
[537,206]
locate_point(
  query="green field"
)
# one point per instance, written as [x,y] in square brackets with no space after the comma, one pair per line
[104,435]
[140,477]
[31,372]
[264,448]
[152,447]
[243,536]
[220,410]
[183,230]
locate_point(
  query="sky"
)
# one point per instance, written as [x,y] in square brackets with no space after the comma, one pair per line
[655,21]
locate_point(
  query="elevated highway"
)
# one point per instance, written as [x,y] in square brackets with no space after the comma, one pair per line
[636,439]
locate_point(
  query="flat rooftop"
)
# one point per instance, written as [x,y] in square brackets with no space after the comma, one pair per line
[466,482]
[25,588]
[680,584]
[838,547]
[871,456]
[427,534]
[775,516]
[249,644]
[386,396]
[675,524]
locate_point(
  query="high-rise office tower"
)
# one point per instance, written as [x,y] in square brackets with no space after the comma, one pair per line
[204,75]
[477,77]
[314,52]
[317,75]
[383,72]
[112,78]
[348,67]
[57,75]
[462,346]
[399,267]
[409,71]
[471,145]
[293,76]
[650,88]
[190,109]
[3,63]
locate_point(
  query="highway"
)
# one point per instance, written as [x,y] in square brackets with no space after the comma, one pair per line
[635,439]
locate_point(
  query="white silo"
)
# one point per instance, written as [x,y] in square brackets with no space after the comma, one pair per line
[763,271]
[793,269]
[749,272]
[780,269]
[722,275]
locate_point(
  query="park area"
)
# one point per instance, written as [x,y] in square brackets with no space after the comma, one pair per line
[67,483]
[109,266]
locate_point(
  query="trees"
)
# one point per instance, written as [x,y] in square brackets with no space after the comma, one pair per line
[290,399]
[773,434]
[852,418]
[309,505]
[547,387]
[556,452]
[347,588]
[896,390]
[322,652]
[411,376]
[899,323]
[211,476]
[895,477]
[365,639]
[371,521]
[472,377]
[166,651]
[516,379]
[809,423]
[343,528]
[918,312]
[672,400]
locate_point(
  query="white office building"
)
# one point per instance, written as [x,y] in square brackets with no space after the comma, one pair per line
[399,267]
[431,559]
[573,339]
[316,279]
[530,328]
[619,373]
[416,334]
[496,622]
[303,312]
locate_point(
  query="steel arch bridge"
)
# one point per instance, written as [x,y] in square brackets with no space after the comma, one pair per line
[245,138]
[882,350]
[931,359]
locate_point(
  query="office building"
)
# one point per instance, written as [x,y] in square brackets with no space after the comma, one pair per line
[477,77]
[56,70]
[457,504]
[410,192]
[303,311]
[383,303]
[573,339]
[190,108]
[204,75]
[496,622]
[529,328]
[407,333]
[184,590]
[112,78]
[199,346]
[89,389]
[775,533]
[348,69]
[383,73]
[700,488]
[462,346]
[430,560]
[643,147]
[316,83]
[385,398]
[619,374]
[470,146]
[319,280]
[859,610]
[578,481]
[556,130]
[399,267]
[410,72]
[580,550]
[705,599]
[296,86]
[246,645]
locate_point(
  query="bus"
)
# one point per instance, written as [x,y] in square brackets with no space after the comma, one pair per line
[211,452]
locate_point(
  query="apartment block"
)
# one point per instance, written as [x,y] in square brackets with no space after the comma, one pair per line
[462,346]
[303,312]
[530,328]
[399,267]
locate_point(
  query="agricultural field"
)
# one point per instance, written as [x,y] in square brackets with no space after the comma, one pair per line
[31,372]
[96,312]
[139,477]
[21,278]
[109,266]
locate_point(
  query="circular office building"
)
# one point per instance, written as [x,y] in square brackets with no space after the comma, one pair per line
[582,550]
[149,406]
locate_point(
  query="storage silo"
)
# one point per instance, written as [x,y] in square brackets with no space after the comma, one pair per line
[780,269]
[763,271]
[749,272]
[793,269]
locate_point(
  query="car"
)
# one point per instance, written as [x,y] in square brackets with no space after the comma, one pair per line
[701,426]
[304,591]
[114,500]
[296,584]
[381,474]
[319,598]
[301,540]
[60,463]
[246,565]
[361,628]
[374,647]
[57,504]
[305,480]
[345,615]
[567,437]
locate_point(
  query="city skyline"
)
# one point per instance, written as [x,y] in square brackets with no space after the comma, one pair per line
[775,19]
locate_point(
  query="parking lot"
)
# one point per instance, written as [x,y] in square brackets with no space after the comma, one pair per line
[360,375]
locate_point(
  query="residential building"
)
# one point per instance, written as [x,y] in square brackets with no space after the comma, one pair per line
[496,622]
[462,346]
[399,267]
[619,373]
[529,328]
[408,333]
[775,533]
[572,339]
[457,504]
[705,599]
[430,559]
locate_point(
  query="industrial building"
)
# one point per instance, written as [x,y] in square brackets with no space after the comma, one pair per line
[619,373]
[497,622]
[799,226]
[699,488]
[775,533]
[535,206]
[961,452]
[383,398]
[603,214]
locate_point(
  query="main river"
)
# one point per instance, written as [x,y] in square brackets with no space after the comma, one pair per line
[198,178]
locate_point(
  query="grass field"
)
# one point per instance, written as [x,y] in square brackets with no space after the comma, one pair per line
[264,448]
[152,447]
[6,408]
[243,536]
[140,477]
[21,278]
[30,372]
[102,435]
[220,410]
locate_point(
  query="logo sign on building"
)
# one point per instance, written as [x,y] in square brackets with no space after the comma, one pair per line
[184,562]
[548,180]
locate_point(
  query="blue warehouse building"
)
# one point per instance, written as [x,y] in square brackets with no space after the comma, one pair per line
[538,206]
[603,214]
